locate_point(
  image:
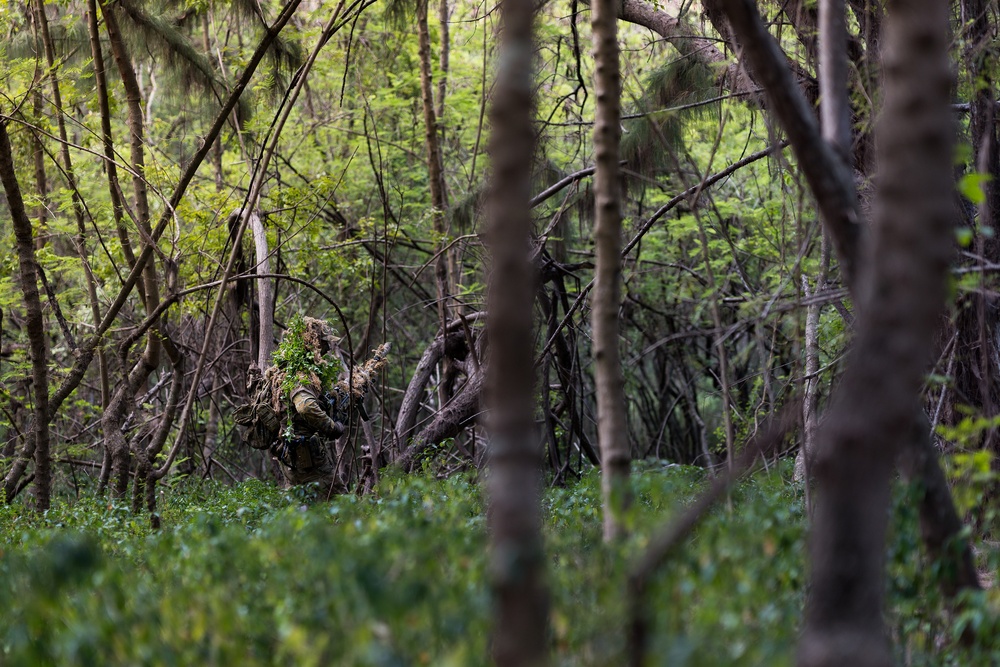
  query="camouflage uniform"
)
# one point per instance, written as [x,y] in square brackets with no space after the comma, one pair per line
[304,451]
[306,456]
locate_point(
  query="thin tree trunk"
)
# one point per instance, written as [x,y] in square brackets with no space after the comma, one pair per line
[835,128]
[206,44]
[114,187]
[810,391]
[265,291]
[110,455]
[443,56]
[133,98]
[434,170]
[38,155]
[868,423]
[122,401]
[834,86]
[611,423]
[520,615]
[37,442]
[81,228]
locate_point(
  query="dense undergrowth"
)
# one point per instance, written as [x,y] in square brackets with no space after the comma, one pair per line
[254,575]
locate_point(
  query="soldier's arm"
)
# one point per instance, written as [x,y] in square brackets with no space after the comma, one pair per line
[312,413]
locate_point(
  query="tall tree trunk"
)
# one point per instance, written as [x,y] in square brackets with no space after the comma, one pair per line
[114,190]
[827,176]
[81,225]
[611,424]
[515,483]
[869,421]
[37,444]
[122,401]
[835,128]
[133,98]
[834,86]
[110,166]
[434,165]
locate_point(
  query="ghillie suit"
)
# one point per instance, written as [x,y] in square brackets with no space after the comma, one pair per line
[296,411]
[346,395]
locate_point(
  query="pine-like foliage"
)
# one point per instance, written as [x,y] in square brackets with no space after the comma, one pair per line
[156,35]
[649,140]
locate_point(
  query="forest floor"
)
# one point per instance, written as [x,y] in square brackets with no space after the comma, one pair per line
[255,575]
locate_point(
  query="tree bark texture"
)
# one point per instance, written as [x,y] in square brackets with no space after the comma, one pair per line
[834,86]
[37,443]
[133,98]
[515,480]
[114,186]
[434,165]
[611,424]
[443,56]
[872,414]
[835,127]
[265,293]
[41,181]
[122,401]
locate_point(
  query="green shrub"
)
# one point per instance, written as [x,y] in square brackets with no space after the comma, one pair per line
[254,575]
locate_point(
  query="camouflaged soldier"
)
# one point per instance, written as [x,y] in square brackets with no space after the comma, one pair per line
[304,453]
[295,408]
[304,370]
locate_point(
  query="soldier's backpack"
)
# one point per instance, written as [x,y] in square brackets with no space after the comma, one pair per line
[261,424]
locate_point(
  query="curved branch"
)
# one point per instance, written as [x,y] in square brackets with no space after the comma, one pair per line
[448,421]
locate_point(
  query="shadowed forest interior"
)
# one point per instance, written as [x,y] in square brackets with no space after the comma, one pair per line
[579,332]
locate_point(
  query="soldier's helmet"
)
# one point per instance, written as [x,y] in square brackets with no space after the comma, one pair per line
[318,336]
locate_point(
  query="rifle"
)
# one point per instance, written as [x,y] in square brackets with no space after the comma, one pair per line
[346,395]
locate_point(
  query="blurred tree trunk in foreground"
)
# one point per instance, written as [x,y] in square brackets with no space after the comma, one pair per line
[515,481]
[902,299]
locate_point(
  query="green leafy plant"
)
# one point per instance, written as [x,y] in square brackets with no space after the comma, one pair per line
[300,363]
